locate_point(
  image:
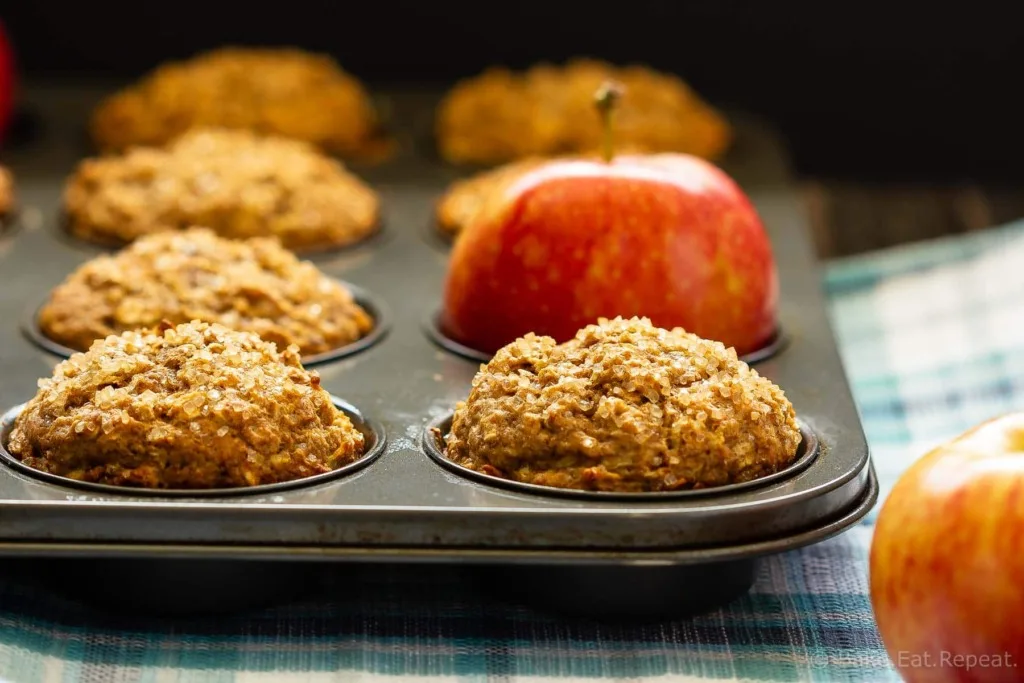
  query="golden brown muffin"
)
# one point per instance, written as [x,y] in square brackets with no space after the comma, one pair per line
[189,407]
[253,286]
[6,192]
[237,183]
[281,91]
[626,407]
[501,115]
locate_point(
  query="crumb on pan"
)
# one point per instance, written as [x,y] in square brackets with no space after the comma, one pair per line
[624,406]
[191,406]
[501,115]
[250,285]
[237,183]
[281,91]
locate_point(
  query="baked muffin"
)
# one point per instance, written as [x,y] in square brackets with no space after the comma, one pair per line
[234,182]
[501,115]
[6,192]
[195,406]
[625,407]
[250,285]
[281,91]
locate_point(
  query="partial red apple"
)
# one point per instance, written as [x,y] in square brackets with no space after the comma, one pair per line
[7,82]
[947,560]
[667,236]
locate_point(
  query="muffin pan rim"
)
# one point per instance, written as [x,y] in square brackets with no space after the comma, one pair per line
[369,301]
[434,331]
[808,451]
[366,425]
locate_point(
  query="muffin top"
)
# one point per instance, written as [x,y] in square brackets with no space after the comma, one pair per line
[185,407]
[237,183]
[282,91]
[251,285]
[624,406]
[502,115]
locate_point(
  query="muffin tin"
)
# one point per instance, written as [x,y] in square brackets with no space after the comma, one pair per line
[646,553]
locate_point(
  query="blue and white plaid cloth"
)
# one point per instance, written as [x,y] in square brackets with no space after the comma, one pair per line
[932,336]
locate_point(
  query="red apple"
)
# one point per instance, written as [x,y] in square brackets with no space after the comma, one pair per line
[947,560]
[666,236]
[7,82]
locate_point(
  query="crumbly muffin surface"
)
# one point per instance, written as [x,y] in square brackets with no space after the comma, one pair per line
[234,182]
[253,285]
[6,192]
[281,91]
[624,406]
[188,407]
[502,115]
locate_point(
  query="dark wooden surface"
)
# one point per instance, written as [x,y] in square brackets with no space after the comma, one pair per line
[851,218]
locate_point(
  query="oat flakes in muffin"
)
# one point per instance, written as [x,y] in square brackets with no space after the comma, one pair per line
[279,91]
[195,406]
[250,285]
[237,183]
[626,407]
[502,115]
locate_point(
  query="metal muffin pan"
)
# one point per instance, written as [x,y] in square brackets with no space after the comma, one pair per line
[370,303]
[405,506]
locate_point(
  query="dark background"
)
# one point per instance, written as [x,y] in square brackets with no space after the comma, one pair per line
[880,90]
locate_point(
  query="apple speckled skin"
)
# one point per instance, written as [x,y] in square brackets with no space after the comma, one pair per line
[947,560]
[669,237]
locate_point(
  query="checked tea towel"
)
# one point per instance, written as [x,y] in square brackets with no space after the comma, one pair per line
[933,339]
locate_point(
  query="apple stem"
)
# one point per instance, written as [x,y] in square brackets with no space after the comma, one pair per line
[606,98]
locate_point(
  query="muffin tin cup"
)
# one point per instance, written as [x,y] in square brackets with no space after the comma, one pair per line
[373,432]
[432,326]
[371,303]
[437,431]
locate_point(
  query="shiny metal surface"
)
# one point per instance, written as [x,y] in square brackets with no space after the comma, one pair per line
[404,504]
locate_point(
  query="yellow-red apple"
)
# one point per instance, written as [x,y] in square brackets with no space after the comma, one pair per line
[947,560]
[666,236]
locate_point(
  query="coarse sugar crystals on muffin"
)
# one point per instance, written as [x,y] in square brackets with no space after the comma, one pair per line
[624,406]
[194,406]
[250,285]
[234,182]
